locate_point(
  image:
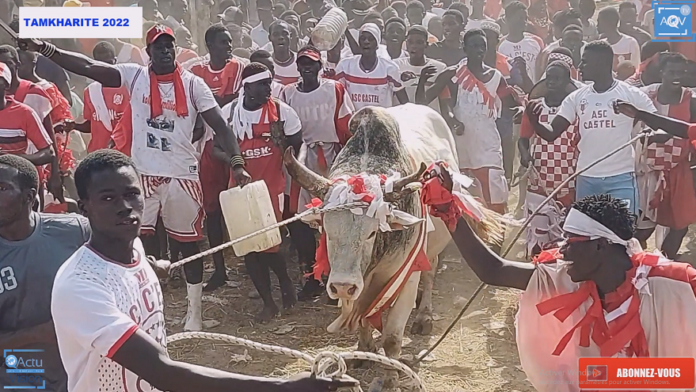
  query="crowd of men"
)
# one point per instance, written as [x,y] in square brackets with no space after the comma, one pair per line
[141,137]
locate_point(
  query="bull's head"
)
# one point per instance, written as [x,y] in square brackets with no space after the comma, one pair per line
[351,237]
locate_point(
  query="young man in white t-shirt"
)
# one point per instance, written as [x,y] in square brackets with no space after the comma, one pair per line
[165,101]
[283,58]
[417,71]
[601,128]
[625,47]
[370,79]
[519,43]
[107,303]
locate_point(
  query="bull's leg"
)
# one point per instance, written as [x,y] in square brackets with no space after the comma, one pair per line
[393,333]
[423,324]
[366,343]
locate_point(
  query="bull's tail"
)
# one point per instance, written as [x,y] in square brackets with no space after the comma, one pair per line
[491,229]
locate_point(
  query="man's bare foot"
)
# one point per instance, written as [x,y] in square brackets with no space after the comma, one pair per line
[267,314]
[217,280]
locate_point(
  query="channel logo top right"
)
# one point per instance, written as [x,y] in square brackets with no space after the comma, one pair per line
[673,21]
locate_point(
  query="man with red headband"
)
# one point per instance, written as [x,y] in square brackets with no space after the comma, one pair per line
[324,108]
[157,133]
[599,295]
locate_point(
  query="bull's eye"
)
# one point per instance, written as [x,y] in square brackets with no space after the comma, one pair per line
[372,235]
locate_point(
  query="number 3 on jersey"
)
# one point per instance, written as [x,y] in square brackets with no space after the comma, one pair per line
[7,279]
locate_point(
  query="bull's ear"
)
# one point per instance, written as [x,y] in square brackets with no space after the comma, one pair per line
[400,220]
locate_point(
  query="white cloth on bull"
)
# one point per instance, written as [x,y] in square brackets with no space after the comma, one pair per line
[341,193]
[545,227]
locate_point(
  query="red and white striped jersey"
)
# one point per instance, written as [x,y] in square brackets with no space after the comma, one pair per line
[229,78]
[369,88]
[21,131]
[287,74]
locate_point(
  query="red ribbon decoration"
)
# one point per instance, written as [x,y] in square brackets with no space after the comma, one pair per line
[625,331]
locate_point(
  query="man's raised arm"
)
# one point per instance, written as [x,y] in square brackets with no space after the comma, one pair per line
[657,122]
[103,73]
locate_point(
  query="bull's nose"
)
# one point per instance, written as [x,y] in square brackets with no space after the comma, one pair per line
[343,290]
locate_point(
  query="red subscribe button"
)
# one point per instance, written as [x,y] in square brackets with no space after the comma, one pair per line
[637,373]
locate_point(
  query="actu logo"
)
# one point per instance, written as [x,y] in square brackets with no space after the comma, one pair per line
[11,361]
[597,373]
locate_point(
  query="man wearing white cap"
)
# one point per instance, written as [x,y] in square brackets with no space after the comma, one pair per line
[370,79]
[158,133]
[624,302]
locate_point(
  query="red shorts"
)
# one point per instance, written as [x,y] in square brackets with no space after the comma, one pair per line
[215,176]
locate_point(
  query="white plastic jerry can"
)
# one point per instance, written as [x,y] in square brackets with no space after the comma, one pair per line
[247,210]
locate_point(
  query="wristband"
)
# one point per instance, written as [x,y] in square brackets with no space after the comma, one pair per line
[237,160]
[47,49]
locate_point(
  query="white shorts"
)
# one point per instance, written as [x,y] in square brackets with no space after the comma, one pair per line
[179,201]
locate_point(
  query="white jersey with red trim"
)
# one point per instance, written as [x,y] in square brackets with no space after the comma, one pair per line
[162,146]
[319,110]
[286,74]
[97,304]
[369,88]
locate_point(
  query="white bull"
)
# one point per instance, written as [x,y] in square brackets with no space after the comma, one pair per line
[362,258]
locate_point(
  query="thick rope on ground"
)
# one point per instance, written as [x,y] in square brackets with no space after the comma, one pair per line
[320,363]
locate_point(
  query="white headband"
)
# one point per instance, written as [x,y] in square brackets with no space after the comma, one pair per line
[578,223]
[257,77]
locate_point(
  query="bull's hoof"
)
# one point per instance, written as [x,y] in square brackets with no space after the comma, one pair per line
[267,314]
[422,325]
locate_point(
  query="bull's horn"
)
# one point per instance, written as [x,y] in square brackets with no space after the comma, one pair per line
[413,177]
[403,186]
[315,184]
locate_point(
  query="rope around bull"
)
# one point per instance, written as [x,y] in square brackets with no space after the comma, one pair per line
[325,360]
